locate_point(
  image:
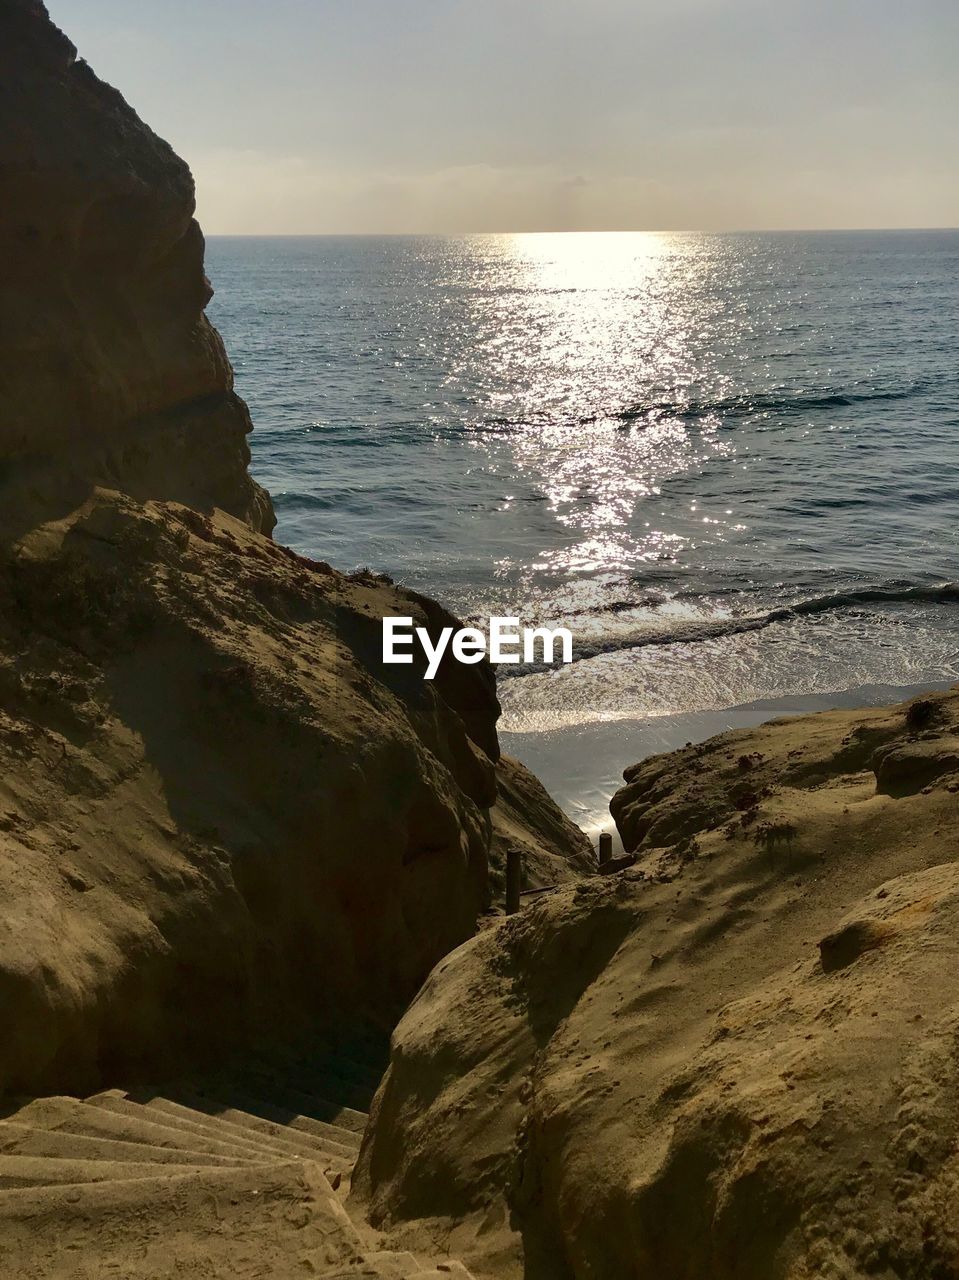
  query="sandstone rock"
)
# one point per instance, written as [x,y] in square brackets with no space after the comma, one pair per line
[736,1059]
[221,815]
[905,767]
[215,807]
[110,372]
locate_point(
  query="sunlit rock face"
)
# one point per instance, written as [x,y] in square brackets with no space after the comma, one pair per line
[735,1059]
[108,365]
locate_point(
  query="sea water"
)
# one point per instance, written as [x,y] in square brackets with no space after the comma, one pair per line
[729,464]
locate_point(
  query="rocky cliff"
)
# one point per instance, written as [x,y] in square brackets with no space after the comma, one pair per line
[220,815]
[736,1059]
[110,373]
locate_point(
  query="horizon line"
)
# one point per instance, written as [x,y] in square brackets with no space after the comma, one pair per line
[579,231]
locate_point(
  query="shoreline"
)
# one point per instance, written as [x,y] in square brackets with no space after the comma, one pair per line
[582,766]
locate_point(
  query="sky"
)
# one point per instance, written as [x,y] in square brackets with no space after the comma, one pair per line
[372,116]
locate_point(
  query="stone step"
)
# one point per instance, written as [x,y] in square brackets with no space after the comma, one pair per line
[266,1077]
[188,1130]
[289,1117]
[239,1114]
[46,1171]
[70,1115]
[26,1140]
[107,1181]
[333,1082]
[196,1125]
[291,1144]
[291,1103]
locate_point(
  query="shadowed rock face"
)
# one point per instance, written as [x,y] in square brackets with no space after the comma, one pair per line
[217,819]
[110,373]
[220,815]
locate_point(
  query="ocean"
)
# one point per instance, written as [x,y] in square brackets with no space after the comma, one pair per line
[728,463]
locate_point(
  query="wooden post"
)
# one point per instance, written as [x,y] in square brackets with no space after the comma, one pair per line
[514,870]
[605,847]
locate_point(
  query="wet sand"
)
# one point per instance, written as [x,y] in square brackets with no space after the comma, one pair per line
[582,766]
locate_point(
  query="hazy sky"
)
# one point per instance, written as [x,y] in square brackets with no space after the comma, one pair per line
[444,115]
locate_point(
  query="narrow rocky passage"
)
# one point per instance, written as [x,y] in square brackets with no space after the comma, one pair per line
[243,1173]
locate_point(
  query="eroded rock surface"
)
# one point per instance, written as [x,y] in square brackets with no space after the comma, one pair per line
[214,806]
[220,815]
[736,1059]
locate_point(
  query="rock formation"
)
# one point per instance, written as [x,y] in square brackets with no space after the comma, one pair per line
[221,815]
[736,1059]
[110,373]
[223,820]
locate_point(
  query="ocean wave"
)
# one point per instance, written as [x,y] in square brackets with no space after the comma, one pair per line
[730,407]
[747,406]
[698,630]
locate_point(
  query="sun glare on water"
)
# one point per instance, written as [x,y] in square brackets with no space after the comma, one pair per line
[603,331]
